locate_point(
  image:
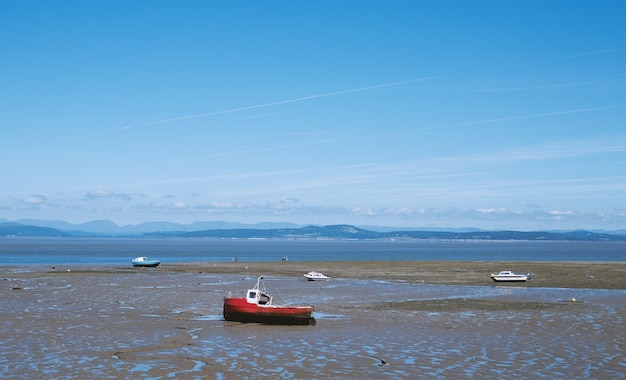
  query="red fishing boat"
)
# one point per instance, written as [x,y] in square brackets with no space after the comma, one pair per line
[258,307]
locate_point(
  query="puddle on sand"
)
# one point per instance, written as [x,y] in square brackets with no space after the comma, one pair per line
[322,316]
[209,318]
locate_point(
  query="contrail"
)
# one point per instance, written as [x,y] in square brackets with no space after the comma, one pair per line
[521,117]
[605,51]
[292,100]
[539,115]
[391,84]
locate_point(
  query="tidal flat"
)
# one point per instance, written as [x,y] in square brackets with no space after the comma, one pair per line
[375,320]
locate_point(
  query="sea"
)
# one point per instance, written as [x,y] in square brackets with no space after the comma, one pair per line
[118,251]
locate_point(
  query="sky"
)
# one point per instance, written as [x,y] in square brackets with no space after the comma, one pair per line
[485,114]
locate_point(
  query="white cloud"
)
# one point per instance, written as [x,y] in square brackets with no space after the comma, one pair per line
[179,205]
[490,210]
[98,193]
[35,200]
[561,213]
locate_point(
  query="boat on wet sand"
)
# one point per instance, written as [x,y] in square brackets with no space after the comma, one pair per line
[316,276]
[143,261]
[257,306]
[507,275]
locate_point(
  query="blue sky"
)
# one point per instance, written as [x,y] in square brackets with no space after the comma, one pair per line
[489,114]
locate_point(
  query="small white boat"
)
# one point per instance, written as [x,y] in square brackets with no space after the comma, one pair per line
[316,276]
[143,261]
[507,275]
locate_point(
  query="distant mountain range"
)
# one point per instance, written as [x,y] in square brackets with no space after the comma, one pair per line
[108,228]
[34,228]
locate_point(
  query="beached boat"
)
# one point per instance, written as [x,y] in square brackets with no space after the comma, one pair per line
[507,275]
[143,261]
[316,276]
[257,306]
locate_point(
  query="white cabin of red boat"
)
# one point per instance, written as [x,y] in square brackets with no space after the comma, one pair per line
[258,296]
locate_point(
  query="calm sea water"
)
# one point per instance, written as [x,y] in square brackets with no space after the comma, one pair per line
[118,251]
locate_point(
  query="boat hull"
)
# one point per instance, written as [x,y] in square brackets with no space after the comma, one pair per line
[510,279]
[312,278]
[510,276]
[147,264]
[239,310]
[316,276]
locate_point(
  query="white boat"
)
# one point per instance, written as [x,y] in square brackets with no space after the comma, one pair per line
[507,275]
[316,276]
[143,261]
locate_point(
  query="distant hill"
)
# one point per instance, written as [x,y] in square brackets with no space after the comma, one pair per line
[8,229]
[16,229]
[108,228]
[351,232]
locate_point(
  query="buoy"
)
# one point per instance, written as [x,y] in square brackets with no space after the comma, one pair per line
[573,299]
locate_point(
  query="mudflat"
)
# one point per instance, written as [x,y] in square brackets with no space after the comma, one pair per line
[78,322]
[592,275]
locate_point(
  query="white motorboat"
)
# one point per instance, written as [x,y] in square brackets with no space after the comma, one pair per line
[507,275]
[143,261]
[316,276]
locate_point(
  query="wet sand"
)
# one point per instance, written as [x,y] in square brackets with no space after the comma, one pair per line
[80,322]
[592,275]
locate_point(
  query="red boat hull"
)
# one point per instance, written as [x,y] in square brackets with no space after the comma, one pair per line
[239,310]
